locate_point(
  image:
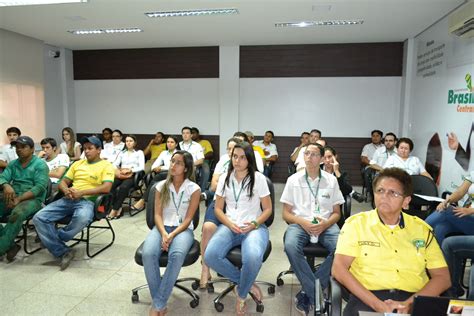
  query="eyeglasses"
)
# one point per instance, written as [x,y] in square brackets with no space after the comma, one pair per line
[390,193]
[312,154]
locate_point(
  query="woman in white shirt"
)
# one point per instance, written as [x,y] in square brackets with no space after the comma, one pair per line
[242,190]
[160,168]
[127,164]
[411,164]
[176,202]
[70,146]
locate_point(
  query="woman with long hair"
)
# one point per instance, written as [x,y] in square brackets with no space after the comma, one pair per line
[70,146]
[126,165]
[160,168]
[176,202]
[242,190]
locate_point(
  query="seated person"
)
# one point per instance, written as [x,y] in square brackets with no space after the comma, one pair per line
[89,177]
[70,146]
[176,202]
[258,159]
[154,148]
[381,154]
[112,151]
[311,206]
[270,151]
[8,151]
[57,163]
[193,148]
[411,164]
[106,139]
[452,219]
[210,220]
[314,137]
[24,182]
[208,156]
[127,164]
[251,141]
[385,257]
[456,250]
[304,141]
[331,166]
[160,167]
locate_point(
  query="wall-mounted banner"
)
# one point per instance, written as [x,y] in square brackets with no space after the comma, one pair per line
[463,98]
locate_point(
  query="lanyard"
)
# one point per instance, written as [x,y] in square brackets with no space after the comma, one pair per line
[190,144]
[237,196]
[314,194]
[178,205]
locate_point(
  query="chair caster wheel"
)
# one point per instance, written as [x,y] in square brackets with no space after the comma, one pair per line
[280,282]
[195,285]
[210,288]
[260,308]
[219,307]
[271,290]
[194,303]
[135,298]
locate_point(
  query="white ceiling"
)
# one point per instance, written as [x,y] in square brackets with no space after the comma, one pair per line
[385,21]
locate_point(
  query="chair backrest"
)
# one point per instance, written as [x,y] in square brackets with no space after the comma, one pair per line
[271,188]
[150,210]
[138,177]
[424,186]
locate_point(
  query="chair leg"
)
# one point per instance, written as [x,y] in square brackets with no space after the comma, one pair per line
[25,240]
[108,227]
[279,280]
[195,298]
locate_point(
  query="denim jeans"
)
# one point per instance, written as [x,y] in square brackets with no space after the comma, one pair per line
[210,215]
[456,249]
[161,287]
[295,239]
[204,174]
[82,212]
[447,222]
[253,245]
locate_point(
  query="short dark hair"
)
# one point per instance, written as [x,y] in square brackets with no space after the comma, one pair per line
[107,129]
[118,131]
[406,140]
[194,130]
[399,175]
[316,131]
[377,131]
[271,132]
[13,129]
[331,149]
[304,133]
[188,128]
[162,135]
[321,148]
[243,135]
[391,134]
[234,139]
[49,140]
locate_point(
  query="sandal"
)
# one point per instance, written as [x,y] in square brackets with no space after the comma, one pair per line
[240,305]
[204,285]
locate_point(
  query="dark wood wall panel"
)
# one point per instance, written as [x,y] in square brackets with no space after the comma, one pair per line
[322,60]
[147,63]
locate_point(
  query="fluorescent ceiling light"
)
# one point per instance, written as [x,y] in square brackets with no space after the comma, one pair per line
[36,2]
[167,14]
[319,23]
[105,31]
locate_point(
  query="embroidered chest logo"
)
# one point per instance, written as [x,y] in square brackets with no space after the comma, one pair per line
[418,243]
[369,243]
[326,196]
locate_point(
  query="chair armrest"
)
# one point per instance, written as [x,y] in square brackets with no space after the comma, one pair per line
[102,206]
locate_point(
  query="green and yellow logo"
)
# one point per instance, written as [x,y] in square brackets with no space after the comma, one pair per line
[464,97]
[468,82]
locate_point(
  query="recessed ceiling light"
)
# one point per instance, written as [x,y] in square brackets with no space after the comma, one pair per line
[105,31]
[168,14]
[319,23]
[36,2]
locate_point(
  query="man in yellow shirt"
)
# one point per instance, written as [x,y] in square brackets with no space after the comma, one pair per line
[154,149]
[81,185]
[383,256]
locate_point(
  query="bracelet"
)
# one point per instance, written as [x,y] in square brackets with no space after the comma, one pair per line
[255,223]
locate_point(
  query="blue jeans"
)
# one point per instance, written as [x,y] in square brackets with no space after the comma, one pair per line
[210,215]
[82,212]
[253,245]
[446,222]
[204,174]
[295,239]
[161,287]
[456,249]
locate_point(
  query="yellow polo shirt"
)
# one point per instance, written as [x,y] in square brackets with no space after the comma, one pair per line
[156,150]
[387,258]
[259,150]
[206,146]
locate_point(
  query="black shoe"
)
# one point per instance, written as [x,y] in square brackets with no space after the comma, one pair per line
[66,259]
[11,253]
[358,197]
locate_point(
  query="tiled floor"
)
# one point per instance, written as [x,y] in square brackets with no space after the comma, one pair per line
[33,284]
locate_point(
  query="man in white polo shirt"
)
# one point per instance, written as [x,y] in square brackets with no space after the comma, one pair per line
[270,151]
[196,151]
[57,163]
[381,154]
[314,136]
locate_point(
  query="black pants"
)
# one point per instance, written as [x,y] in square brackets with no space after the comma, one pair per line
[355,304]
[120,190]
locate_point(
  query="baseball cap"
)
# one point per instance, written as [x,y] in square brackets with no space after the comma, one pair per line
[93,140]
[25,140]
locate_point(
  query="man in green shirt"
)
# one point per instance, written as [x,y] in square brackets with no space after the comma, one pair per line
[24,183]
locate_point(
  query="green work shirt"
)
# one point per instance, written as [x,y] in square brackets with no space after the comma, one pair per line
[34,177]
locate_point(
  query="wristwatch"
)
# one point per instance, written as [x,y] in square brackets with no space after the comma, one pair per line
[255,223]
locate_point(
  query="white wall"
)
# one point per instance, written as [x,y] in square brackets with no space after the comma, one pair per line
[430,112]
[338,106]
[147,105]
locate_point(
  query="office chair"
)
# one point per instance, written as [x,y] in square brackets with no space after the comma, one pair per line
[418,206]
[235,257]
[191,257]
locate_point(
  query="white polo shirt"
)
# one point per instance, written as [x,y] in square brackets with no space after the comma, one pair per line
[163,160]
[222,165]
[134,160]
[369,150]
[8,153]
[412,165]
[298,194]
[176,210]
[246,209]
[381,155]
[61,160]
[299,162]
[195,149]
[271,148]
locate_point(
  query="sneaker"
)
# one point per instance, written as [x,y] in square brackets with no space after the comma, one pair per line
[302,304]
[11,253]
[66,259]
[203,196]
[358,197]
